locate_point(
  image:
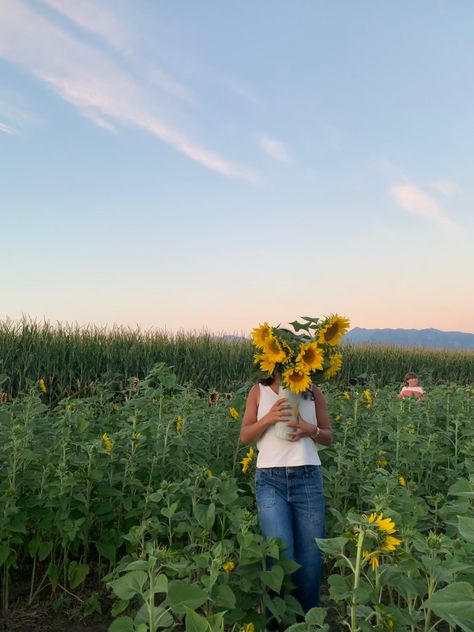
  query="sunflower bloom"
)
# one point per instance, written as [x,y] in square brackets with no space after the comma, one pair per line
[233,412]
[107,441]
[373,559]
[385,524]
[42,386]
[332,332]
[402,481]
[346,395]
[266,365]
[297,379]
[213,397]
[209,473]
[260,334]
[248,627]
[179,423]
[335,365]
[368,398]
[247,460]
[310,356]
[274,351]
[228,566]
[390,543]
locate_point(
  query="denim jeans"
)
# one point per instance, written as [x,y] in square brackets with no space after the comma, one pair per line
[290,505]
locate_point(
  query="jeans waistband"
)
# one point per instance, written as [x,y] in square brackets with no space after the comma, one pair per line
[295,470]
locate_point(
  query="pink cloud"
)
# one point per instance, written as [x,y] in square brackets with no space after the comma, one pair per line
[416,201]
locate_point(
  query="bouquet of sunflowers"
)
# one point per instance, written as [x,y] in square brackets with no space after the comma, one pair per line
[308,355]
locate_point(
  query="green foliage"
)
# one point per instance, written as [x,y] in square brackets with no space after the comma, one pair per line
[166,518]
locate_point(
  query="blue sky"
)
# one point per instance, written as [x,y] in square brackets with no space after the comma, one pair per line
[191,165]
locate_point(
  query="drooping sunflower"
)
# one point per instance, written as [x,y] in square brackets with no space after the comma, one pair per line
[273,350]
[373,559]
[335,365]
[266,365]
[297,379]
[310,356]
[333,330]
[260,334]
[390,543]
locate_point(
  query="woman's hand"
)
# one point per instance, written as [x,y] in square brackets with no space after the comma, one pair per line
[301,430]
[280,411]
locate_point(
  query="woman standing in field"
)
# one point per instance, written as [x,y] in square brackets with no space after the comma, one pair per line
[289,485]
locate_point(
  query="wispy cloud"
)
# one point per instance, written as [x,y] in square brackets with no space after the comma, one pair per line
[93,17]
[96,19]
[87,78]
[244,92]
[446,187]
[6,129]
[416,201]
[274,148]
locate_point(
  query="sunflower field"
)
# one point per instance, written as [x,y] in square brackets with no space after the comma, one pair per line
[137,502]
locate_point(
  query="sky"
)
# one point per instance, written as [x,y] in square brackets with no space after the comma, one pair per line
[214,165]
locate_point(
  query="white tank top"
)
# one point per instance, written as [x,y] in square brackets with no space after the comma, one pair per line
[276,452]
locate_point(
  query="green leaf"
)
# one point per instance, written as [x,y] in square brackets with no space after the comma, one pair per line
[332,546]
[160,584]
[4,552]
[315,616]
[107,550]
[454,604]
[195,622]
[137,565]
[274,578]
[461,487]
[163,619]
[205,515]
[76,573]
[129,585]
[183,596]
[466,528]
[223,597]
[123,624]
[339,587]
[44,550]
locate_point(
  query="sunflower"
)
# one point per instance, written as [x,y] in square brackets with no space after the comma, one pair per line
[107,443]
[247,460]
[273,350]
[335,364]
[266,365]
[310,356]
[390,543]
[297,379]
[260,334]
[373,559]
[332,332]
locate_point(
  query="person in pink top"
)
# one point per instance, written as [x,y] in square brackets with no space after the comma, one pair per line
[411,387]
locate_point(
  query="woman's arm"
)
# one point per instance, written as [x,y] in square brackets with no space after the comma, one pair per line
[252,429]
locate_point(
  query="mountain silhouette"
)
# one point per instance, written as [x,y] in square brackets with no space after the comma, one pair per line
[430,338]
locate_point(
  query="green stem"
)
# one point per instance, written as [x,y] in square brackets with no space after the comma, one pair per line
[360,543]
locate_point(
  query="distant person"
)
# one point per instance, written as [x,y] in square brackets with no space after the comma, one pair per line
[411,388]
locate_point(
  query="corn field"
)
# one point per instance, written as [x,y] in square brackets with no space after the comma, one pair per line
[71,359]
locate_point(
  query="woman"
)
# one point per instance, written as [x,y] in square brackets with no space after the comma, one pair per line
[411,387]
[289,484]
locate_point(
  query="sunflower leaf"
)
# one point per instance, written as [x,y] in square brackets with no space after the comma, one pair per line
[298,326]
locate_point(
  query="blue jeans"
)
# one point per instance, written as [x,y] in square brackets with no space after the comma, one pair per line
[290,505]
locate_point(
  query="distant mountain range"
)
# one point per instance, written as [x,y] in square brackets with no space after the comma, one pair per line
[433,338]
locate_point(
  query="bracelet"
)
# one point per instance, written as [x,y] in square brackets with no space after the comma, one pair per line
[316,432]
